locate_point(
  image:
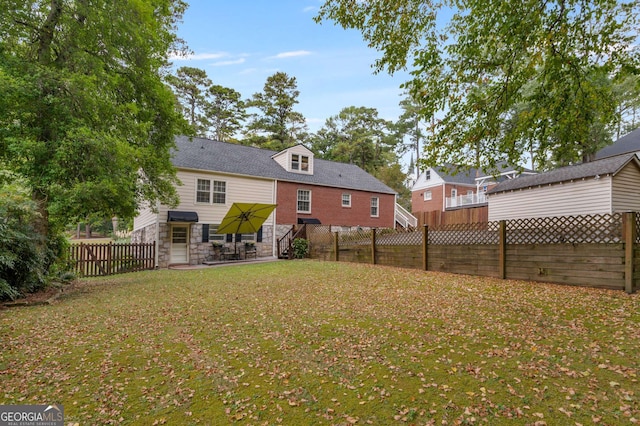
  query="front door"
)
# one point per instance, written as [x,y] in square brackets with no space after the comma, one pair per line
[179,244]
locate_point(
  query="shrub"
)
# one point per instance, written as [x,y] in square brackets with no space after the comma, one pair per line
[300,248]
[25,256]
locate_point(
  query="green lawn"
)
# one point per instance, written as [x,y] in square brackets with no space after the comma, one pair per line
[306,342]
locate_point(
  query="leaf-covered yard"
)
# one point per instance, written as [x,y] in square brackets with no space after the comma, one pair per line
[308,342]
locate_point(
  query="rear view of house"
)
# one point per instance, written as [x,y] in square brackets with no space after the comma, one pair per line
[215,175]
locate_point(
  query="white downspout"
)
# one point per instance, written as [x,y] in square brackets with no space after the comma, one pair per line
[274,242]
[157,257]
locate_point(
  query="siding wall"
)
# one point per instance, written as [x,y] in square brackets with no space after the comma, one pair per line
[626,189]
[587,196]
[145,218]
[238,189]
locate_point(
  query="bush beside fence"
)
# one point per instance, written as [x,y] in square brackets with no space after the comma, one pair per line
[591,250]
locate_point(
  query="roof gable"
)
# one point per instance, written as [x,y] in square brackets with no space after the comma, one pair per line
[223,157]
[297,159]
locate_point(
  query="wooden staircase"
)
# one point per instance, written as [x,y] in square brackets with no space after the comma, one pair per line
[285,244]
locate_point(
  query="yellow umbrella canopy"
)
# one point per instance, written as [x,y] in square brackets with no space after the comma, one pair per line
[245,218]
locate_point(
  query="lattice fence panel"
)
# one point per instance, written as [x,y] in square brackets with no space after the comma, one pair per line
[320,234]
[391,237]
[599,228]
[465,233]
[355,237]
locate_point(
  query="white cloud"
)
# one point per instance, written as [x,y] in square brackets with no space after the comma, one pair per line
[309,9]
[198,56]
[291,54]
[231,62]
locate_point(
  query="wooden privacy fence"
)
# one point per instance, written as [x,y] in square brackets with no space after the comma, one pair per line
[451,217]
[591,250]
[94,260]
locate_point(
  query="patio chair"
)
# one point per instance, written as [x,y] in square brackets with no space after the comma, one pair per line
[250,250]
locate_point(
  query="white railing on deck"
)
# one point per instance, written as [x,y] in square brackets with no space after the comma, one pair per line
[465,200]
[404,218]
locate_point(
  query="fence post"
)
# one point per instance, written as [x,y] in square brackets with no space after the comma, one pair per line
[425,247]
[373,245]
[336,248]
[502,241]
[109,257]
[629,230]
[81,269]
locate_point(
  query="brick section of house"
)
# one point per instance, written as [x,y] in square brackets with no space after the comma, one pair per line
[418,203]
[326,206]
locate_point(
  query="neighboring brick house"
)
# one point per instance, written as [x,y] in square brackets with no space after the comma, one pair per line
[215,174]
[451,187]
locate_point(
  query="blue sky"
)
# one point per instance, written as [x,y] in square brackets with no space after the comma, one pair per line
[241,43]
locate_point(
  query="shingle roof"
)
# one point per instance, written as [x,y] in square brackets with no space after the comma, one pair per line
[223,157]
[628,143]
[606,166]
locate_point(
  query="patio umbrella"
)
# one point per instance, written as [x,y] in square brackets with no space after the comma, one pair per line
[245,218]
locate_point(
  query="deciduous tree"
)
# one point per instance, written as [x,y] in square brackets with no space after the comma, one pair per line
[472,68]
[86,118]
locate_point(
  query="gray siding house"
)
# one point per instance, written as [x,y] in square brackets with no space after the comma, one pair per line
[608,185]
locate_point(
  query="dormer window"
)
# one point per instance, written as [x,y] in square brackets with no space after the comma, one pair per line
[297,159]
[299,162]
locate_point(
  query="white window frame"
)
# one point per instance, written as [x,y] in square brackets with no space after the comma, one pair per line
[213,192]
[214,236]
[217,193]
[300,200]
[427,175]
[375,207]
[428,195]
[295,162]
[346,200]
[203,192]
[300,163]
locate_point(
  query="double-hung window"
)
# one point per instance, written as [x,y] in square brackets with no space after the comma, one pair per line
[346,200]
[203,191]
[304,201]
[299,162]
[427,195]
[374,206]
[219,192]
[211,191]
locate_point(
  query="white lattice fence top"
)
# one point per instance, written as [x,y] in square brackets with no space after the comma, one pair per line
[598,228]
[398,238]
[465,233]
